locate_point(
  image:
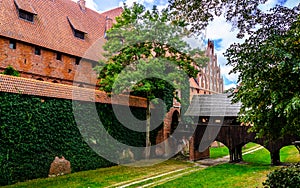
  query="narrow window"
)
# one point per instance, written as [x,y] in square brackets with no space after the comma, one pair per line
[37,51]
[12,44]
[77,60]
[58,56]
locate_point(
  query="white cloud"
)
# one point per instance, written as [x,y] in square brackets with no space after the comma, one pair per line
[130,2]
[229,86]
[291,3]
[220,29]
[268,5]
[160,5]
[90,4]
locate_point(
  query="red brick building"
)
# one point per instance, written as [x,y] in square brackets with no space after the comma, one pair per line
[53,40]
[208,81]
[60,41]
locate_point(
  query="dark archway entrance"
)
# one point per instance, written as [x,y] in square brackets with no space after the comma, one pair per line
[175,122]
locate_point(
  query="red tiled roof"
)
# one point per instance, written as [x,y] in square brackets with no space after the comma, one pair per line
[76,25]
[51,28]
[11,84]
[25,5]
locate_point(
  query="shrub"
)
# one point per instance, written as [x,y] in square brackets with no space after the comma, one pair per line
[284,177]
[11,71]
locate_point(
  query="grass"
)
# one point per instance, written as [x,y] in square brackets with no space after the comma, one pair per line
[249,174]
[102,177]
[289,154]
[226,175]
[217,152]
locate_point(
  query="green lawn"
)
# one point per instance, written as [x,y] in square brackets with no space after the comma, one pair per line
[250,174]
[102,177]
[216,152]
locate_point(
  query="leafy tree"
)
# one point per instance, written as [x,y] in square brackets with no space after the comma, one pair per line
[269,67]
[145,52]
[267,62]
[245,15]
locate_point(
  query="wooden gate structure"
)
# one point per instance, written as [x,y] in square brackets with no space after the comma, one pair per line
[216,120]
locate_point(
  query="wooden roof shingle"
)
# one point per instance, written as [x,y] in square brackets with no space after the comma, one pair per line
[213,105]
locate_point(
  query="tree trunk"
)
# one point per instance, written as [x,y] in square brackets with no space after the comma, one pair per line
[275,158]
[148,143]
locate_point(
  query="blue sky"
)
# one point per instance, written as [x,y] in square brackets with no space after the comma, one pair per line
[219,30]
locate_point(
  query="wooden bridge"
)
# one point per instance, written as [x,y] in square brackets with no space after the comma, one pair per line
[216,119]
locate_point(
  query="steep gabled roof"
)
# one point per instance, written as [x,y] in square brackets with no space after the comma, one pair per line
[213,105]
[52,26]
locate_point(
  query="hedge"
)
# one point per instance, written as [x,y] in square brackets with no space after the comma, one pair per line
[284,177]
[33,130]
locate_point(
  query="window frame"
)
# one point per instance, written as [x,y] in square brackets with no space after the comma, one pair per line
[12,44]
[37,51]
[58,56]
[79,34]
[25,15]
[77,60]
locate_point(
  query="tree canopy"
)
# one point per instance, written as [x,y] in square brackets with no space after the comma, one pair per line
[141,36]
[269,67]
[147,56]
[267,62]
[245,15]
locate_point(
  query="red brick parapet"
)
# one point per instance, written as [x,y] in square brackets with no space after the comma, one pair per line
[27,86]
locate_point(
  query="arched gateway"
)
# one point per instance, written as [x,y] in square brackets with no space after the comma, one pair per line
[216,119]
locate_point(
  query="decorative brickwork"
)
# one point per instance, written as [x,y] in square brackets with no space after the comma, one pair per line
[208,81]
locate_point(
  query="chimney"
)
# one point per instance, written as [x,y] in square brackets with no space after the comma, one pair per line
[81,3]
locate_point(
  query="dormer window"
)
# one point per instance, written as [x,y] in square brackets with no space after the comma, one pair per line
[25,10]
[26,15]
[77,28]
[78,34]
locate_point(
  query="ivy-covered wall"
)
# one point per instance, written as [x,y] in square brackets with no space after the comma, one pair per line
[34,130]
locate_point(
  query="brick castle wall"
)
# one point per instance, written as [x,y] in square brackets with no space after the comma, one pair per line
[45,66]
